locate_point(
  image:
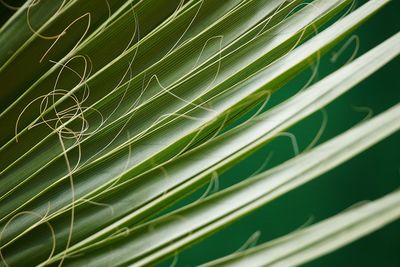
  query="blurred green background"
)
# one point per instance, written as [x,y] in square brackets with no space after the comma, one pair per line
[366,177]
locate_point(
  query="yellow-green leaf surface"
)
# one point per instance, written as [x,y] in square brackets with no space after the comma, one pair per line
[112,111]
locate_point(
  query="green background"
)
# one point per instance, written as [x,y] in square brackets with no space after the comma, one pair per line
[366,177]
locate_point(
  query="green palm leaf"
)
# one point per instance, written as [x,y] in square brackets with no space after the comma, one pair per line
[113,111]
